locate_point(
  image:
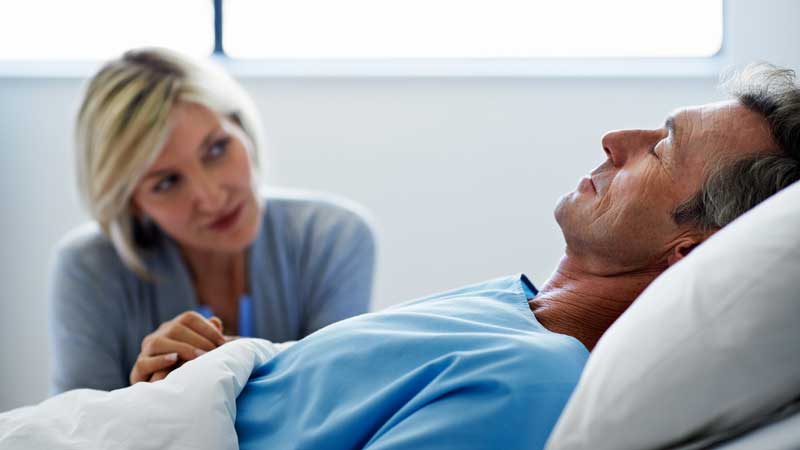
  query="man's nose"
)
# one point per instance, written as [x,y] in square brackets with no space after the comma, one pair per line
[621,145]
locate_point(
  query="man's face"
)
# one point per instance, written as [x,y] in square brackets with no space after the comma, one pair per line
[620,216]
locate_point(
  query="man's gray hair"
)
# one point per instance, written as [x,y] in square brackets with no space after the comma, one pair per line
[735,187]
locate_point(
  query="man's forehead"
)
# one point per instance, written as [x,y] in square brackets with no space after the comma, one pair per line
[707,111]
[726,122]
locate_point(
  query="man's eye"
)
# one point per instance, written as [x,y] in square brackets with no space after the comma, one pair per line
[166,183]
[653,151]
[218,148]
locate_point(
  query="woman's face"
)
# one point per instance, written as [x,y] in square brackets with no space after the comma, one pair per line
[199,189]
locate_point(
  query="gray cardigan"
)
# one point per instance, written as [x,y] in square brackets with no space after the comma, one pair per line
[311,265]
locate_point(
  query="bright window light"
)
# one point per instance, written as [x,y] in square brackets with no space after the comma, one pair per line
[101,29]
[323,29]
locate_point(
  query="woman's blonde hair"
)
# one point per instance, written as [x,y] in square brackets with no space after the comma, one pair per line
[123,124]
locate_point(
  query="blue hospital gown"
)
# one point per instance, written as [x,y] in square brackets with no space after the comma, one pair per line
[465,369]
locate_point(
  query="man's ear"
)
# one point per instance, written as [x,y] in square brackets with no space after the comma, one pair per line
[685,245]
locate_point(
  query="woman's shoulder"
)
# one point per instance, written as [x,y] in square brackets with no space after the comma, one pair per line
[85,239]
[86,246]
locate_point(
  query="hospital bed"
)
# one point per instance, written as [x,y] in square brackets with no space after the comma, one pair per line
[706,357]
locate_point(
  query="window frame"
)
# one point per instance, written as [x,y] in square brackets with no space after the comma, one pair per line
[694,67]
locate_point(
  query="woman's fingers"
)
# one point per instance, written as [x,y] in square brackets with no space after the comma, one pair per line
[185,334]
[217,322]
[183,338]
[146,365]
[201,326]
[158,345]
[160,375]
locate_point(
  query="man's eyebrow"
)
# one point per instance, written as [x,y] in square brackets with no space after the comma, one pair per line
[669,124]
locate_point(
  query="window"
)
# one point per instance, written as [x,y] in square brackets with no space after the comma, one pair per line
[380,29]
[101,29]
[367,29]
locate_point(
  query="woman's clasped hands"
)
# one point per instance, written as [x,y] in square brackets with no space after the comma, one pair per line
[181,339]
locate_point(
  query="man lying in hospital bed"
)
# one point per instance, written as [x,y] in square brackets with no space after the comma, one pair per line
[491,365]
[693,362]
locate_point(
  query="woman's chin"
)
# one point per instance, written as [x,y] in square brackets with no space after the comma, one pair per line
[243,235]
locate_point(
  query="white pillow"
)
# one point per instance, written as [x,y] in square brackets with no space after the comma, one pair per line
[711,343]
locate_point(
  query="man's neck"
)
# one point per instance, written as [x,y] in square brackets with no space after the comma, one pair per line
[581,304]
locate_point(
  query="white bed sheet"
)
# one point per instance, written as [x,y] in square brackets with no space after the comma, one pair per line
[781,435]
[193,408]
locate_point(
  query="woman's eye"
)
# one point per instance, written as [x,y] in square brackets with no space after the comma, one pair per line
[218,148]
[166,183]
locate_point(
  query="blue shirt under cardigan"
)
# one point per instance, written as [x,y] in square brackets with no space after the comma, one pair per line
[466,369]
[311,265]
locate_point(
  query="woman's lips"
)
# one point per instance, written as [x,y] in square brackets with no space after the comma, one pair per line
[228,220]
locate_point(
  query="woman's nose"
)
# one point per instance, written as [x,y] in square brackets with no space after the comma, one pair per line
[209,196]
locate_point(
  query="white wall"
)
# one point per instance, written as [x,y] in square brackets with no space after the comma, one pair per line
[460,174]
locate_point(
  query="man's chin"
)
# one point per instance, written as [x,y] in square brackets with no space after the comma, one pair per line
[572,214]
[564,205]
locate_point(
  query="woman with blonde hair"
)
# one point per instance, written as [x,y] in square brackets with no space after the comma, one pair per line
[184,251]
